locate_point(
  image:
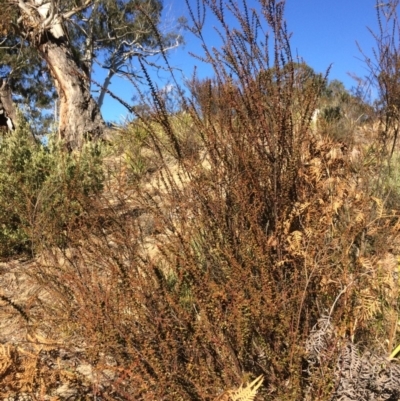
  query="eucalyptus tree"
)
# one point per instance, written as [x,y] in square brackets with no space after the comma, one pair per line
[25,80]
[64,39]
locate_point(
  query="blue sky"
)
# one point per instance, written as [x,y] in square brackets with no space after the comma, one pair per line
[324,33]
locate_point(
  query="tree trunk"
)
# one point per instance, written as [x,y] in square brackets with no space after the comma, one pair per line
[8,115]
[80,115]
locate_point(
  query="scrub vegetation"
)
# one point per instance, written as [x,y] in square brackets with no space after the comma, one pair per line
[229,243]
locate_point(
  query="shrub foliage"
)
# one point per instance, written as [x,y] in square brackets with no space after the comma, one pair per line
[42,190]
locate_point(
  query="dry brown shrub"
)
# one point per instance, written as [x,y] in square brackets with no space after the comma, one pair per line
[221,264]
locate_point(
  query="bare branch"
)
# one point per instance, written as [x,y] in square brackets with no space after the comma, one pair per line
[87,4]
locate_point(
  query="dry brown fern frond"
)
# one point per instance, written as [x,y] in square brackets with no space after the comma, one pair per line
[379,207]
[17,370]
[246,393]
[6,359]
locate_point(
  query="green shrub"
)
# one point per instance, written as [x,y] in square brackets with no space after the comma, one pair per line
[42,189]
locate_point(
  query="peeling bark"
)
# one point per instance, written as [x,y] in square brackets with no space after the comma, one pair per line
[80,115]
